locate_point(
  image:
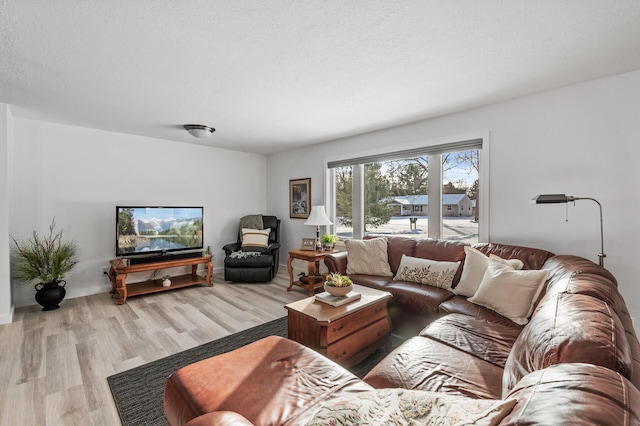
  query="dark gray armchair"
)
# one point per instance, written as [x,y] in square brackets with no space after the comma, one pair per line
[255,264]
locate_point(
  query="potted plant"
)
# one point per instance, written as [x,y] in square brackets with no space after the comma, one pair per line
[47,260]
[329,241]
[338,285]
[166,280]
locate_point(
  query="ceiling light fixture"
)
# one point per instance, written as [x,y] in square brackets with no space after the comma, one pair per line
[199,131]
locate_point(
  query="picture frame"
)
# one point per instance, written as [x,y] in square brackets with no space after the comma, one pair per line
[308,244]
[299,198]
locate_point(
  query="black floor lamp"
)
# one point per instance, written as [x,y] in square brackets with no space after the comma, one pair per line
[560,199]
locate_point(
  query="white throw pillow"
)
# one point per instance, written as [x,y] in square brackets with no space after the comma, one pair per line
[368,257]
[402,407]
[255,238]
[427,271]
[509,292]
[475,265]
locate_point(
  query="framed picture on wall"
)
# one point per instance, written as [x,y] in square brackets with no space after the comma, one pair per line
[299,198]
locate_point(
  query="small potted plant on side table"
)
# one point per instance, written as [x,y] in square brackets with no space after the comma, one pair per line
[329,241]
[166,280]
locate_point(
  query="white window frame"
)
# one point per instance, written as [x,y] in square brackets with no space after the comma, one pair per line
[434,210]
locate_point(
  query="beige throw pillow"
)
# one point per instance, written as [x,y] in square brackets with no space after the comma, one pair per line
[427,271]
[509,292]
[255,238]
[475,265]
[368,257]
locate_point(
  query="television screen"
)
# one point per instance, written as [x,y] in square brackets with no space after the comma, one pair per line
[148,230]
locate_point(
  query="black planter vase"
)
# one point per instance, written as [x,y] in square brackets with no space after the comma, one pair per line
[49,295]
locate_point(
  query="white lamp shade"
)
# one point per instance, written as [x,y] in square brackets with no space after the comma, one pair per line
[318,217]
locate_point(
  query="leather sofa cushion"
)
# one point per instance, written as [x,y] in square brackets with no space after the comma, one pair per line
[532,258]
[568,263]
[418,298]
[442,250]
[425,364]
[396,247]
[569,328]
[264,260]
[489,341]
[574,394]
[270,381]
[371,281]
[461,305]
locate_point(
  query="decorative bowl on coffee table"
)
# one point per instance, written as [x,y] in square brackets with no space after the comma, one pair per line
[337,291]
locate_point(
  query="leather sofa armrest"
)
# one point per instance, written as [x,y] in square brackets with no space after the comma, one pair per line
[230,248]
[227,418]
[273,246]
[336,262]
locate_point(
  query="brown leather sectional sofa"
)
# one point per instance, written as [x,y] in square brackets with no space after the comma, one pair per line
[577,361]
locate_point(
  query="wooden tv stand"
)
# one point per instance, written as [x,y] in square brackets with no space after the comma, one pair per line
[118,276]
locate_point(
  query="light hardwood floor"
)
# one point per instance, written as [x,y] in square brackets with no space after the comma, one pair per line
[54,365]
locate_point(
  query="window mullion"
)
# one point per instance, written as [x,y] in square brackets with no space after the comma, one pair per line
[434,208]
[358,201]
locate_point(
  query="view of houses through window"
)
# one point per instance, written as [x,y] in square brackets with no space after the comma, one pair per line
[395,197]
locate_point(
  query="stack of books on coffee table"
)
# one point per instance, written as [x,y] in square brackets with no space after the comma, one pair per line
[338,300]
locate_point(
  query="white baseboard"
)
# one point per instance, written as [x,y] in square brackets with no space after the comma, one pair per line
[8,318]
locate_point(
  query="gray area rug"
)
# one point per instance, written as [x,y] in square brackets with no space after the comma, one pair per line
[138,392]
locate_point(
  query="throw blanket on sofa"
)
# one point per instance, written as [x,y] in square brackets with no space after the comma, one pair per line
[252,221]
[244,254]
[401,407]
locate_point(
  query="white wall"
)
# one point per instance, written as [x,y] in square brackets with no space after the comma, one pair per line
[6,141]
[79,175]
[582,140]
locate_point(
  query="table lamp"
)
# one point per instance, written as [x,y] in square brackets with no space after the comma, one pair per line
[563,199]
[318,217]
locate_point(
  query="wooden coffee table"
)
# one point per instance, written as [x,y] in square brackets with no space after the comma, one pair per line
[346,334]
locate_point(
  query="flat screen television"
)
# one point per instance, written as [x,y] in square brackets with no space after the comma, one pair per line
[157,230]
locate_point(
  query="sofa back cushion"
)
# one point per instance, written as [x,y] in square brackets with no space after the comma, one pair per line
[574,394]
[569,328]
[442,250]
[397,247]
[532,258]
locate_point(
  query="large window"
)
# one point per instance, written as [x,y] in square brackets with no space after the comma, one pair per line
[432,191]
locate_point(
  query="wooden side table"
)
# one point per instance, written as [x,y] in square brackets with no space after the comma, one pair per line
[346,334]
[313,259]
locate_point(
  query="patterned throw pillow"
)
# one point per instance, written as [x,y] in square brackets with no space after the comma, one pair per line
[401,407]
[427,271]
[368,257]
[255,238]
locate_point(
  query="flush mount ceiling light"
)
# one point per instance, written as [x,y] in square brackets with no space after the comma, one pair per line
[199,131]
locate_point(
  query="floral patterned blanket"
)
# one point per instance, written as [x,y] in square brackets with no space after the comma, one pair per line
[401,407]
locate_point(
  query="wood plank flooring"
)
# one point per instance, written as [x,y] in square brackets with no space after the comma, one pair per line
[54,365]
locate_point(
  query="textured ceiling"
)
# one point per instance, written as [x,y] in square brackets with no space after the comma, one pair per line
[273,75]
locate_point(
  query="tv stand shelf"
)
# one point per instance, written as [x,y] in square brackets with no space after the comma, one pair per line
[118,276]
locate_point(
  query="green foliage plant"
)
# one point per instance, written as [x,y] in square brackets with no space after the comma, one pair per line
[338,280]
[329,238]
[46,259]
